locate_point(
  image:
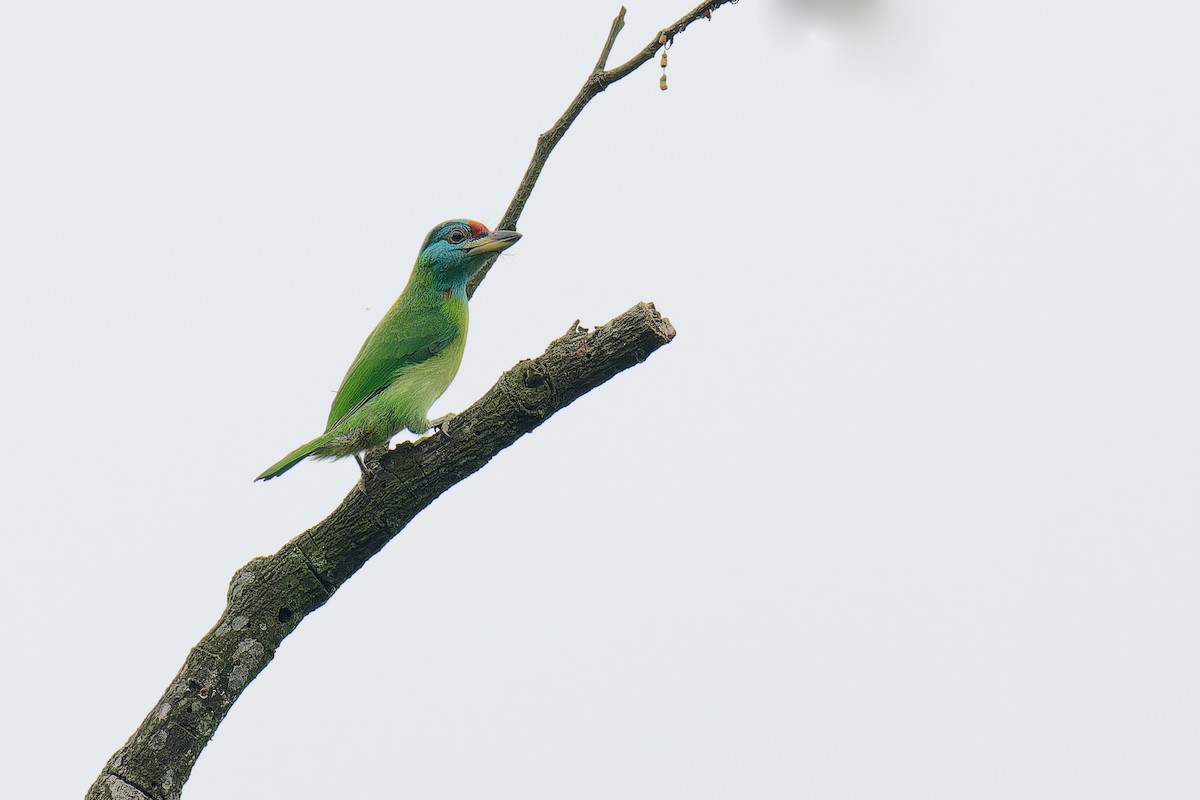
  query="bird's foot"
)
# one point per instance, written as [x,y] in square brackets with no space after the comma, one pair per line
[368,462]
[442,423]
[369,465]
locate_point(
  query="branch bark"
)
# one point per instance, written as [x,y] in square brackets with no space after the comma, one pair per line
[270,595]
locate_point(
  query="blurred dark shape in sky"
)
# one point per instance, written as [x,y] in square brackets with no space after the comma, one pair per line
[847,10]
[835,13]
[839,22]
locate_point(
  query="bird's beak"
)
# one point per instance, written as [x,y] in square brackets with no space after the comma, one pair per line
[493,242]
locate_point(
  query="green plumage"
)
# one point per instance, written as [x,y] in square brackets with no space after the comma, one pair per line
[414,352]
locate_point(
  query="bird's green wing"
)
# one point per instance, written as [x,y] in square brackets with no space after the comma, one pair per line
[399,341]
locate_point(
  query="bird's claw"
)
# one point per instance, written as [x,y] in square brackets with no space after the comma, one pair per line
[368,462]
[442,423]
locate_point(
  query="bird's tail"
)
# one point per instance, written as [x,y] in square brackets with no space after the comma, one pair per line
[293,458]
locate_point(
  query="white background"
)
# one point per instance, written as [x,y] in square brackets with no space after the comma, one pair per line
[908,509]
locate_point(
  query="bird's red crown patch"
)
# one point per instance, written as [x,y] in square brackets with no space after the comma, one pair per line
[477,229]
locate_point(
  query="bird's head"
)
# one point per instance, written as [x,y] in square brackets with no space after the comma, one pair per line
[454,250]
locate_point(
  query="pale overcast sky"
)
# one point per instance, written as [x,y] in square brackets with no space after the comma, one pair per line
[907,510]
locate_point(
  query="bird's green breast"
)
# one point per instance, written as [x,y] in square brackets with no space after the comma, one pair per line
[417,387]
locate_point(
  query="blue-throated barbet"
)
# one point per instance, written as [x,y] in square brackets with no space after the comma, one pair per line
[413,354]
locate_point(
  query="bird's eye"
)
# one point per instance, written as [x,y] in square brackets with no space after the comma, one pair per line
[456,236]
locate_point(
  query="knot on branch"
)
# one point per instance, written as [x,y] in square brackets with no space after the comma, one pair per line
[243,578]
[529,388]
[119,789]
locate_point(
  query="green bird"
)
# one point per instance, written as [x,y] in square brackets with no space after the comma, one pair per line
[414,352]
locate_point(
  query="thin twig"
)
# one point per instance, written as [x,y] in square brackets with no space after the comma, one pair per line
[617,24]
[597,81]
[647,52]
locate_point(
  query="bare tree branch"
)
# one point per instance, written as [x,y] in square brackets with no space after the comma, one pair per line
[599,80]
[617,25]
[269,596]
